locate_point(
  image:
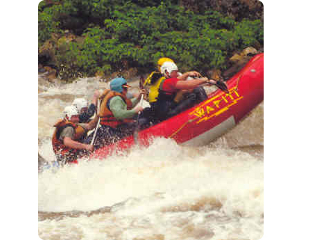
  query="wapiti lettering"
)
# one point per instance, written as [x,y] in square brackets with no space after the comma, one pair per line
[217,105]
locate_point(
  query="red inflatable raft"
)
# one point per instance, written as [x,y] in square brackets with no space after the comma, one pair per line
[208,120]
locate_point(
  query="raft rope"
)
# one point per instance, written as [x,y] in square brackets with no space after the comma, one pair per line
[182,126]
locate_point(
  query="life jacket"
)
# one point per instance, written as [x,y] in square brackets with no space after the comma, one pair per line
[62,151]
[154,80]
[106,116]
[164,95]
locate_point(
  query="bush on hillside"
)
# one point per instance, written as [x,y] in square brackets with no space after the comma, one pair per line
[139,32]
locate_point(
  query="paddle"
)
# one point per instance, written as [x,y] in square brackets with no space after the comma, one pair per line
[95,130]
[221,85]
[135,133]
[140,103]
[141,86]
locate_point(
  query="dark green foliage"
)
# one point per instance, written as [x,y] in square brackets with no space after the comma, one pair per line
[139,32]
[48,22]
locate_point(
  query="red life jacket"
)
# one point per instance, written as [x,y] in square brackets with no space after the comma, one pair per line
[61,151]
[106,116]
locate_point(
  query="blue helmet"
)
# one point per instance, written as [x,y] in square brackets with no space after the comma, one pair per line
[116,84]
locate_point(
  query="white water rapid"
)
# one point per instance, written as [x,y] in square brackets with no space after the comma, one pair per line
[162,192]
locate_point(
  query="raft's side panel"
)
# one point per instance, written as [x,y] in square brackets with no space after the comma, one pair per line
[215,132]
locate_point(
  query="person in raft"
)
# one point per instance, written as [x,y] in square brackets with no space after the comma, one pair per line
[85,112]
[154,80]
[68,134]
[166,107]
[117,113]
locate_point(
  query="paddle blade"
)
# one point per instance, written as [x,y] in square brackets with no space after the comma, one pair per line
[221,85]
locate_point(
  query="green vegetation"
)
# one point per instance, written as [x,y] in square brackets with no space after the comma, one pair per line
[116,35]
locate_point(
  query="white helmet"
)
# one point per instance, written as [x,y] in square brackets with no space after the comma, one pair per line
[80,103]
[70,111]
[169,66]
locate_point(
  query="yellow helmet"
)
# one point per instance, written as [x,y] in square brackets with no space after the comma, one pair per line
[163,60]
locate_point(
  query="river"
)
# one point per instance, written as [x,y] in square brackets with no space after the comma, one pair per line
[165,191]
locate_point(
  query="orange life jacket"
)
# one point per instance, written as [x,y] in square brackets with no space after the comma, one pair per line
[106,116]
[61,150]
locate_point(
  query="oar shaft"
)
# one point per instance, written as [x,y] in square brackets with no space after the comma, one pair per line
[96,129]
[141,99]
[95,132]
